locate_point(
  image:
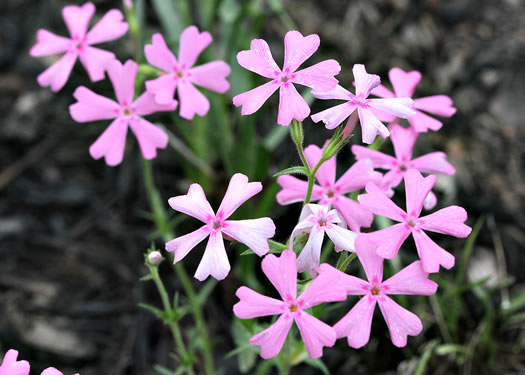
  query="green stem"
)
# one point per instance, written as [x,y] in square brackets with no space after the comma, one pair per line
[311,180]
[296,132]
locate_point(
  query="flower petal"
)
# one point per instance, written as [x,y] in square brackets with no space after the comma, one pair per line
[326,173]
[211,76]
[326,287]
[320,76]
[52,371]
[253,304]
[342,238]
[259,59]
[57,74]
[371,126]
[291,105]
[333,117]
[403,140]
[298,48]
[336,93]
[377,202]
[122,77]
[310,257]
[215,261]
[253,233]
[417,188]
[239,191]
[111,143]
[252,100]
[401,322]
[163,88]
[400,107]
[294,190]
[315,334]
[411,280]
[150,137]
[182,245]
[356,324]
[364,82]
[77,19]
[92,107]
[194,204]
[440,105]
[449,220]
[431,254]
[435,162]
[10,366]
[48,43]
[110,27]
[430,201]
[355,214]
[146,105]
[388,241]
[191,101]
[159,55]
[382,92]
[271,340]
[192,43]
[282,273]
[96,62]
[358,175]
[421,122]
[372,263]
[404,83]
[379,159]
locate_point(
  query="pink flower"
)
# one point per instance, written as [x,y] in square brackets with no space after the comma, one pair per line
[253,233]
[297,49]
[316,220]
[10,366]
[282,273]
[331,192]
[92,107]
[52,371]
[412,280]
[449,220]
[370,125]
[403,141]
[404,86]
[94,60]
[182,75]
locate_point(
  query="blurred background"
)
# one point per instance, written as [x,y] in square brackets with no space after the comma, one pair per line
[73,230]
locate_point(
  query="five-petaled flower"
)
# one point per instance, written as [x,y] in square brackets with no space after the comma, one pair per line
[94,60]
[297,49]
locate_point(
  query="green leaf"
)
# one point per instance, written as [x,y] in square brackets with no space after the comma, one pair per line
[246,354]
[146,278]
[164,371]
[318,364]
[427,354]
[451,348]
[206,290]
[171,15]
[157,312]
[292,170]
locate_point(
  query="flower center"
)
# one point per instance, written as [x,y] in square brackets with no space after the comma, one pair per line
[216,224]
[293,308]
[403,167]
[412,222]
[375,290]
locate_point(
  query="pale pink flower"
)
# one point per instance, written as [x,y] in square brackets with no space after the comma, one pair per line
[370,125]
[403,140]
[411,280]
[126,113]
[404,84]
[94,60]
[282,273]
[253,233]
[10,366]
[449,220]
[297,49]
[182,75]
[330,192]
[52,371]
[316,220]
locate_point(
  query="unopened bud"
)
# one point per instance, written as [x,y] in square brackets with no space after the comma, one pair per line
[128,4]
[155,257]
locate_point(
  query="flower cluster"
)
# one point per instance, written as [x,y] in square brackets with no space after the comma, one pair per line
[10,366]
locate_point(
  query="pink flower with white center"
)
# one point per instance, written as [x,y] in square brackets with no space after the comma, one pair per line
[10,366]
[126,113]
[411,280]
[449,220]
[316,220]
[330,192]
[182,75]
[253,233]
[297,49]
[370,125]
[403,140]
[282,273]
[94,60]
[404,84]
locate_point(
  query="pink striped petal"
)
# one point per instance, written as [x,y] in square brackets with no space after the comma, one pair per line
[194,204]
[163,88]
[297,49]
[401,322]
[356,324]
[342,238]
[253,233]
[146,105]
[430,201]
[371,262]
[383,116]
[435,162]
[291,105]
[111,143]
[326,173]
[259,59]
[357,176]
[388,241]
[310,256]
[239,191]
[400,107]
[431,254]
[403,140]
[182,245]
[294,190]
[271,340]
[159,55]
[371,126]
[355,214]
[377,202]
[336,93]
[440,105]
[282,273]
[92,107]
[319,76]
[191,101]
[364,82]
[192,43]
[10,366]
[379,160]
[421,122]
[333,117]
[315,334]
[382,92]
[150,137]
[48,43]
[448,220]
[412,280]
[122,77]
[417,188]
[96,62]
[404,83]
[211,76]
[215,261]
[327,287]
[57,74]
[77,19]
[253,304]
[110,27]
[252,100]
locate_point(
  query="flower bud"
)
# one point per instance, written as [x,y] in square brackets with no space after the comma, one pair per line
[128,4]
[155,258]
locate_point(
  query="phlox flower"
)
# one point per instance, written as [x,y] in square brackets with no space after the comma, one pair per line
[126,113]
[449,220]
[403,140]
[330,192]
[10,366]
[182,75]
[282,273]
[370,125]
[94,60]
[412,280]
[404,84]
[253,233]
[297,49]
[316,220]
